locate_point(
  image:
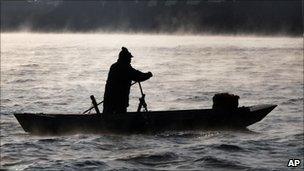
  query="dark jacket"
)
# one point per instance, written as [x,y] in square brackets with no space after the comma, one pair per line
[117,90]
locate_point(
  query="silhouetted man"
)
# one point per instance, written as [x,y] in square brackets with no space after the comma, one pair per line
[121,74]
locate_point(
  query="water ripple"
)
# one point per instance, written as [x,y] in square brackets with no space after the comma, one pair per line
[210,161]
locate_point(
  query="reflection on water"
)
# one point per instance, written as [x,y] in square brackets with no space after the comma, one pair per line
[58,72]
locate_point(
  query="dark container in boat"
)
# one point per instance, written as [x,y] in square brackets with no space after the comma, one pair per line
[225,101]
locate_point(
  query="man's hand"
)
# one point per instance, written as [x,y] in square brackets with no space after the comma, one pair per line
[150,74]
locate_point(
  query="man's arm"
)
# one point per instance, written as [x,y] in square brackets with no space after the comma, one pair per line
[139,76]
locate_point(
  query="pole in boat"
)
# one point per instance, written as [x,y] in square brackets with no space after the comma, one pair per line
[142,102]
[95,105]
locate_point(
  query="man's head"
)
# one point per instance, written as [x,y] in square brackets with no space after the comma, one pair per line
[125,55]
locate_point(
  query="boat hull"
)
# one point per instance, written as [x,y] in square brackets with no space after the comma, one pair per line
[138,122]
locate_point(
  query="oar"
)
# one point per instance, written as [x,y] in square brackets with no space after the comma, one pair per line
[100,102]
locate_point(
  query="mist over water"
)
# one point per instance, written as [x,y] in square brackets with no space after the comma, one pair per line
[56,73]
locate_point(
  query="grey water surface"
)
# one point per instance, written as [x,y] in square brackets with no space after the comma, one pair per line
[56,73]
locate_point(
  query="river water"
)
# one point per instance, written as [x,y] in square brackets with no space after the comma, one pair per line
[58,72]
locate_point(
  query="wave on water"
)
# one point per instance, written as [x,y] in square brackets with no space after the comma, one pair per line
[154,159]
[22,81]
[177,135]
[292,101]
[87,165]
[193,98]
[214,162]
[30,65]
[230,148]
[44,164]
[49,140]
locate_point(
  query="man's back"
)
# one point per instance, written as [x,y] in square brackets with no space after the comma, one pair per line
[117,90]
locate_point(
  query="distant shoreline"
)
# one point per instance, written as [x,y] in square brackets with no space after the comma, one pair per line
[264,18]
[156,33]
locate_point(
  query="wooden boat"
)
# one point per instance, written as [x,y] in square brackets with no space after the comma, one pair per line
[138,122]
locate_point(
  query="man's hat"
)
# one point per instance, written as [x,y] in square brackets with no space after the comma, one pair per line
[125,53]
